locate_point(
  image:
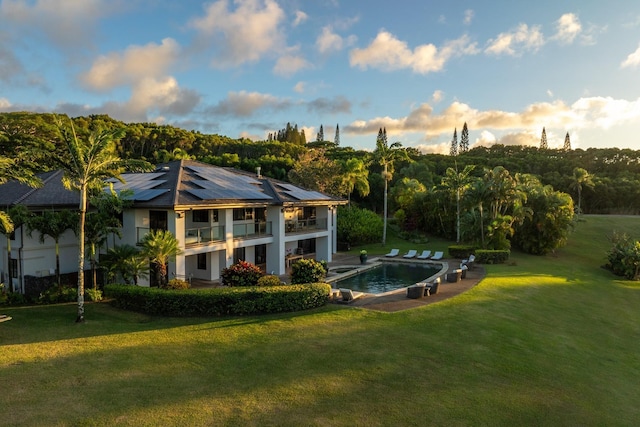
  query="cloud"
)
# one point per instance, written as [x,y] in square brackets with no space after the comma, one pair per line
[136,63]
[300,18]
[437,96]
[632,60]
[329,42]
[68,24]
[339,104]
[300,87]
[468,16]
[388,53]
[245,104]
[288,65]
[514,42]
[567,28]
[246,34]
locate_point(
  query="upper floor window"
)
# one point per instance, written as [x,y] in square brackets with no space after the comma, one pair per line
[200,215]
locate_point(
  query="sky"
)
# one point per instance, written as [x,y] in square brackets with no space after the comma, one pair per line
[418,68]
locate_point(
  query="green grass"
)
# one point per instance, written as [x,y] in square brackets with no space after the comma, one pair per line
[543,341]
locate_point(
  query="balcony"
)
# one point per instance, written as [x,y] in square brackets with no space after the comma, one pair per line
[305,225]
[194,236]
[141,232]
[252,230]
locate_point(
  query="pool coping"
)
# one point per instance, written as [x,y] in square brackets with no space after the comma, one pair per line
[358,268]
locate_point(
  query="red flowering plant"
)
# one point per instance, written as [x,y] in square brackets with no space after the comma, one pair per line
[242,273]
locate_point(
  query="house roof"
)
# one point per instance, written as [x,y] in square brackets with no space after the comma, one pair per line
[177,184]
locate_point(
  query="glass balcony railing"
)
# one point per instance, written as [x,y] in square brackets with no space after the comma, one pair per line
[204,235]
[252,230]
[141,232]
[305,225]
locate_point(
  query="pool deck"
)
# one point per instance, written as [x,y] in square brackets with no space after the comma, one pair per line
[397,300]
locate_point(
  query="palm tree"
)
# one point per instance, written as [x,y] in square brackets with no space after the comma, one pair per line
[457,182]
[18,215]
[53,224]
[127,261]
[581,178]
[86,166]
[386,155]
[355,177]
[160,246]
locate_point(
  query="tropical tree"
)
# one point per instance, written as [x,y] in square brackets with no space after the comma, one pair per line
[89,162]
[355,177]
[127,261]
[386,155]
[53,224]
[16,216]
[458,182]
[336,139]
[314,171]
[464,139]
[580,179]
[160,246]
[543,140]
[567,142]
[453,151]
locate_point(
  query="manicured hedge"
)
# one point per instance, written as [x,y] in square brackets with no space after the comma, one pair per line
[484,256]
[461,251]
[218,301]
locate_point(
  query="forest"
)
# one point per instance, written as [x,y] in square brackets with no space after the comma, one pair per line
[492,197]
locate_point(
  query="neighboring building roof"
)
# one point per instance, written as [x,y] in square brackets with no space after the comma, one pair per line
[177,184]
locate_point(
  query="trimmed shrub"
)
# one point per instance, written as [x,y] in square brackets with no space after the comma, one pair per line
[461,251]
[242,273]
[357,226]
[307,270]
[269,280]
[486,256]
[623,259]
[94,295]
[219,301]
[55,295]
[177,284]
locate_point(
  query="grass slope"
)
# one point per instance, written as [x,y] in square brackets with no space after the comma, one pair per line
[544,341]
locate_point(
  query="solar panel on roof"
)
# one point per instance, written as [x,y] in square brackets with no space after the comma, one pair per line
[137,181]
[301,194]
[222,175]
[144,195]
[228,194]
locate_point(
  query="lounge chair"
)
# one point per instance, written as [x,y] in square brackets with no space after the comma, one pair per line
[411,254]
[348,296]
[469,262]
[438,255]
[425,255]
[4,318]
[432,288]
[394,252]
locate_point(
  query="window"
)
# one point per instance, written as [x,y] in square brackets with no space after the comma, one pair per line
[202,261]
[14,268]
[261,254]
[215,215]
[200,215]
[242,214]
[238,255]
[308,246]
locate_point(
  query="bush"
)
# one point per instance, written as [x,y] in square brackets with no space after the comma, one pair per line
[357,226]
[623,258]
[241,273]
[94,295]
[461,251]
[219,301]
[177,284]
[269,280]
[486,256]
[307,270]
[13,298]
[55,295]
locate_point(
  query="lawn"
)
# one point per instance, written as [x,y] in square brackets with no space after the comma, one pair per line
[541,341]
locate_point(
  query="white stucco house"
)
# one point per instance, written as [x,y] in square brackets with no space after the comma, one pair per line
[219,216]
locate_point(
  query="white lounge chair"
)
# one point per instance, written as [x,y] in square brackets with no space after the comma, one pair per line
[348,296]
[394,252]
[469,262]
[425,255]
[411,254]
[438,255]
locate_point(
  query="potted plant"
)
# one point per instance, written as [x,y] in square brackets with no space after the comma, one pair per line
[363,256]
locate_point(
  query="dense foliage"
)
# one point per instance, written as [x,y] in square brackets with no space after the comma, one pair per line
[219,301]
[307,270]
[242,273]
[623,259]
[358,226]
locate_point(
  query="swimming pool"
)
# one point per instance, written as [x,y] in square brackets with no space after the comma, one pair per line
[388,276]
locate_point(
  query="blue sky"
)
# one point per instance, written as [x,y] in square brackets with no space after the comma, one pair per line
[420,69]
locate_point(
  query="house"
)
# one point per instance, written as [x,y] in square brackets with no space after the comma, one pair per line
[219,216]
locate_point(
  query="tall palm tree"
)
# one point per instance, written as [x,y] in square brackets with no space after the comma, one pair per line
[581,178]
[160,246]
[355,177]
[457,182]
[86,166]
[53,224]
[386,155]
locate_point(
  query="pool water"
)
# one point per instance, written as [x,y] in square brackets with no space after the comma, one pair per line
[387,277]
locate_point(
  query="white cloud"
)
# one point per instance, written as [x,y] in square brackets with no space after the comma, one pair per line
[632,60]
[437,96]
[388,53]
[300,87]
[328,41]
[468,16]
[567,28]
[288,65]
[513,43]
[135,64]
[300,18]
[4,104]
[246,34]
[245,104]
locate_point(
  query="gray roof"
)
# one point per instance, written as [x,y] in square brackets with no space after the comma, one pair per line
[181,183]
